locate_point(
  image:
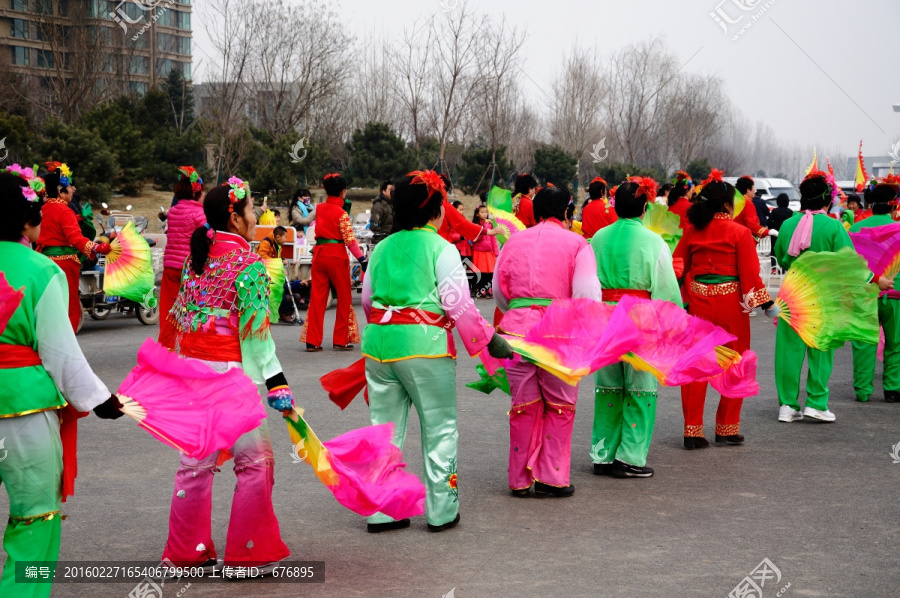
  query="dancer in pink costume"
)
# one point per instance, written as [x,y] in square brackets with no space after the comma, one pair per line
[221,317]
[537,265]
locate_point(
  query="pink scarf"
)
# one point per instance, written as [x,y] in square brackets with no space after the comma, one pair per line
[802,237]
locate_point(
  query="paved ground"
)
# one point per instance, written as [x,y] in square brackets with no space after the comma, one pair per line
[819,501]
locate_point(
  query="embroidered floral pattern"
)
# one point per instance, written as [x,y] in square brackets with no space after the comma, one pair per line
[452,480]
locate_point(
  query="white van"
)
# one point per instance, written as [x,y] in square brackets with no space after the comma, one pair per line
[772,188]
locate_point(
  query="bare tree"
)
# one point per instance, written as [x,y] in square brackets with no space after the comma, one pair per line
[692,116]
[78,70]
[496,101]
[576,118]
[371,92]
[639,76]
[294,61]
[411,62]
[529,127]
[225,121]
[458,39]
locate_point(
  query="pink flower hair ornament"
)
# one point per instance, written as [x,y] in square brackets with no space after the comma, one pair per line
[35,184]
[237,193]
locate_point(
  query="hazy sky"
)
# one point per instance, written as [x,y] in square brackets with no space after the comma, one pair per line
[820,72]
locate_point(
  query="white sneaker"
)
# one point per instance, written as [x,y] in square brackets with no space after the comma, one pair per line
[753,314]
[786,413]
[825,416]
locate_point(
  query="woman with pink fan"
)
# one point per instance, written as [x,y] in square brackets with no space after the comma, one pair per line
[221,318]
[536,266]
[721,275]
[877,239]
[809,231]
[42,371]
[414,294]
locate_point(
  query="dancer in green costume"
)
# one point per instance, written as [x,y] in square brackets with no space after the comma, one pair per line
[41,369]
[882,197]
[415,291]
[631,260]
[811,230]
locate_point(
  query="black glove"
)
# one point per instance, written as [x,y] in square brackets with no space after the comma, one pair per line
[499,348]
[109,409]
[364,263]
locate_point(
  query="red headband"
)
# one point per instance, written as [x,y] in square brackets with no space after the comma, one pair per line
[331,176]
[599,180]
[432,181]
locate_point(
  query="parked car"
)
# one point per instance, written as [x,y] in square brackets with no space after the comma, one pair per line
[772,188]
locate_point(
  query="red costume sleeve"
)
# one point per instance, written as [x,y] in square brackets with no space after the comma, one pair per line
[68,223]
[467,229]
[750,219]
[752,287]
[349,238]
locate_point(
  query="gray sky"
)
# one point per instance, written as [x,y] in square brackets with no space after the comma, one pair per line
[820,72]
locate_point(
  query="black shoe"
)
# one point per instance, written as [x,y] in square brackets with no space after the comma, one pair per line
[734,439]
[377,528]
[695,442]
[342,347]
[603,469]
[448,525]
[311,348]
[891,396]
[624,470]
[521,492]
[544,490]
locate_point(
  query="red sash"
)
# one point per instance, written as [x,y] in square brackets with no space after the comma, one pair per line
[617,294]
[18,356]
[408,315]
[210,346]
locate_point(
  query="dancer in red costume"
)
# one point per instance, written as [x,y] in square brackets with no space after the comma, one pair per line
[331,268]
[523,206]
[61,239]
[721,274]
[597,213]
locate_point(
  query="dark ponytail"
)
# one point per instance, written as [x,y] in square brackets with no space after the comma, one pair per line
[713,199]
[215,206]
[679,190]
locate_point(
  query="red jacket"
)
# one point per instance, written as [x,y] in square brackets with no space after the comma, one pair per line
[750,219]
[596,215]
[723,248]
[680,208]
[525,212]
[59,228]
[333,223]
[459,224]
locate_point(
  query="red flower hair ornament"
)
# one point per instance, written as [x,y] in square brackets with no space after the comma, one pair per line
[715,176]
[646,186]
[432,181]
